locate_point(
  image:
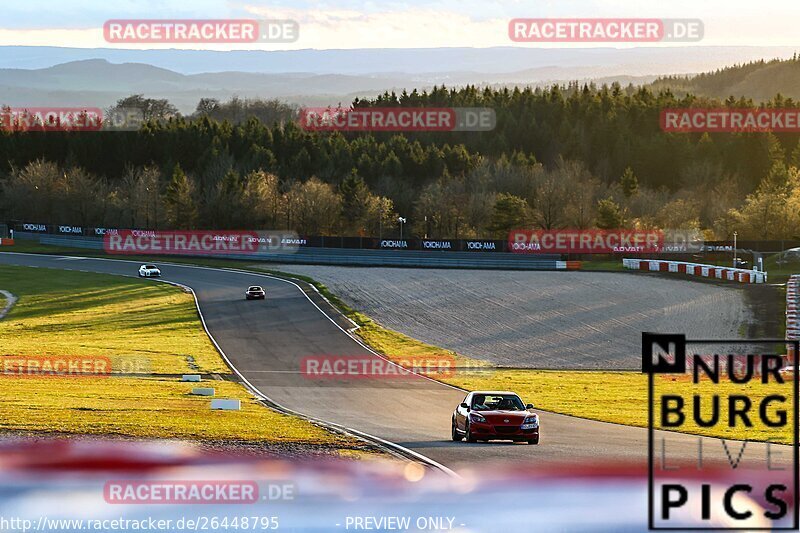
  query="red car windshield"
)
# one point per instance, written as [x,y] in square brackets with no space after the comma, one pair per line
[497,402]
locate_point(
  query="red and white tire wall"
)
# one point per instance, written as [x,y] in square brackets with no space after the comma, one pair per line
[740,275]
[568,265]
[792,301]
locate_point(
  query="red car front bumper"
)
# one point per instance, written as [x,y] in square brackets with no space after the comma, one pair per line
[488,431]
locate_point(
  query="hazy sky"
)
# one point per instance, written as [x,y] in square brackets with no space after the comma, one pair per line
[392,24]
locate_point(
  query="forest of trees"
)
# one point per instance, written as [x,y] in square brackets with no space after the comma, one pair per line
[759,80]
[573,156]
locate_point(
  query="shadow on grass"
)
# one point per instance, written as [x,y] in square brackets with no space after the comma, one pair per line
[55,303]
[45,294]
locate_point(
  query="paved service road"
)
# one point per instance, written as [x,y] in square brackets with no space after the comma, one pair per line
[266,341]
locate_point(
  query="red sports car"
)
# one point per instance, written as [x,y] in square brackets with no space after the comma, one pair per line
[495,415]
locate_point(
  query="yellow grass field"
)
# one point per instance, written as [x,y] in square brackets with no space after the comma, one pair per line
[145,407]
[621,397]
[133,322]
[618,397]
[149,327]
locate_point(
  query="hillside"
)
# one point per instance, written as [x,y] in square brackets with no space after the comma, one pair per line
[40,76]
[758,80]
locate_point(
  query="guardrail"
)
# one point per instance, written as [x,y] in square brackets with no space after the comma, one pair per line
[740,275]
[350,257]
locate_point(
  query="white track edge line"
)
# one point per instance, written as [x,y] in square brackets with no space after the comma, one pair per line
[10,301]
[254,389]
[258,392]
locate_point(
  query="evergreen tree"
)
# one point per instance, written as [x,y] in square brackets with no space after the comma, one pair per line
[509,212]
[795,159]
[609,214]
[355,196]
[629,183]
[180,201]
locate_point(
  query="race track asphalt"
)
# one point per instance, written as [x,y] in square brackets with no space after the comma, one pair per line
[538,319]
[266,341]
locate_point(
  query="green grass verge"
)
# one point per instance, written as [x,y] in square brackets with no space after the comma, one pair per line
[617,397]
[147,408]
[779,269]
[621,397]
[145,327]
[86,315]
[613,265]
[33,247]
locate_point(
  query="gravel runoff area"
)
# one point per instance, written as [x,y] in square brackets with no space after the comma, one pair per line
[574,320]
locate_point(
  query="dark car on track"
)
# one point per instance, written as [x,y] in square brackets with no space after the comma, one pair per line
[255,293]
[495,415]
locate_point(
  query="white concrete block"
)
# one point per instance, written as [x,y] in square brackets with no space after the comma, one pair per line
[226,405]
[203,391]
[191,377]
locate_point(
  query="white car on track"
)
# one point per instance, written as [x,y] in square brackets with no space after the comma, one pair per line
[149,271]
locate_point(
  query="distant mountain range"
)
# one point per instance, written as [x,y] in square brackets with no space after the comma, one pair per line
[35,76]
[638,61]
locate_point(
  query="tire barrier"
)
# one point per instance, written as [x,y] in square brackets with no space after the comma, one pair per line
[568,265]
[357,257]
[740,275]
[792,325]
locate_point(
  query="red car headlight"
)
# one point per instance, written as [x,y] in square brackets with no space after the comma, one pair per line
[475,417]
[531,422]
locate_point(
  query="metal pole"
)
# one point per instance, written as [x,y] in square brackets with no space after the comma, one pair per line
[734,249]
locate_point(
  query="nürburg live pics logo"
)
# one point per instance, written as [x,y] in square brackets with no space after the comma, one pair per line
[722,433]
